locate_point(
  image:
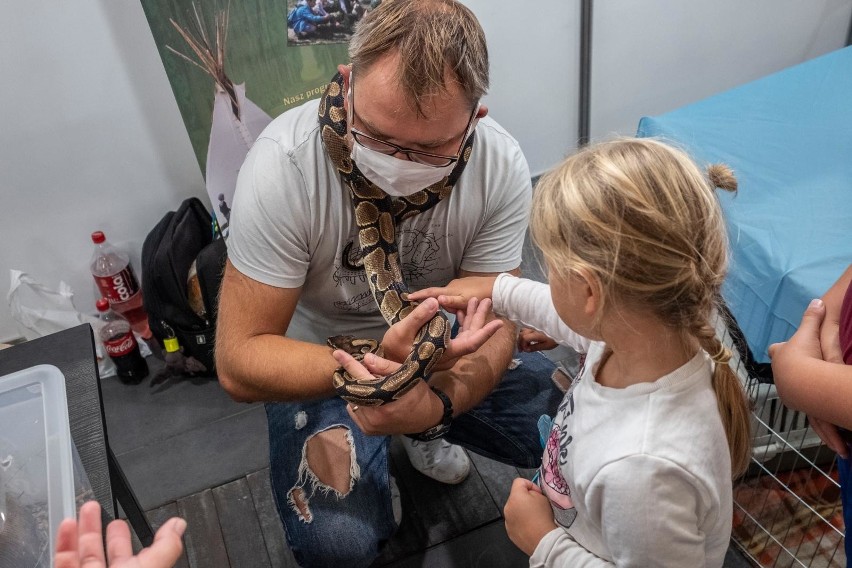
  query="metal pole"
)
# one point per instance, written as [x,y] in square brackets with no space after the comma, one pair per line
[585,70]
[849,33]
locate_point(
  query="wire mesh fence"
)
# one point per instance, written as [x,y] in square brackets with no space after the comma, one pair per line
[787,508]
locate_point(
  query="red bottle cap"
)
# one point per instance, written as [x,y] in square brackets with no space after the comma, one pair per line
[98,237]
[102,305]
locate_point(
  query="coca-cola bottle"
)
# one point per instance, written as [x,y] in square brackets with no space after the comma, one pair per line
[118,284]
[120,344]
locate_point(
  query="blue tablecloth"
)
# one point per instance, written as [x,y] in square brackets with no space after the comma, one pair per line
[788,138]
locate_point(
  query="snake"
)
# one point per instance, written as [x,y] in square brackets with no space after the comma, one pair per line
[377,215]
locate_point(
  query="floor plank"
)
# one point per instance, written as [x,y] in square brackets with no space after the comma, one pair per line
[159,516]
[445,511]
[205,547]
[240,526]
[411,536]
[497,477]
[485,547]
[270,524]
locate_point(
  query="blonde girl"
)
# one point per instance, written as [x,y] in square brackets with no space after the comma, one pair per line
[638,467]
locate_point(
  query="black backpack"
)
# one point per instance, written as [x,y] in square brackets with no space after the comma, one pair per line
[181,238]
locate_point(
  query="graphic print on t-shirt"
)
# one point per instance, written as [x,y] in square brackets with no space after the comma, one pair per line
[420,253]
[552,482]
[351,268]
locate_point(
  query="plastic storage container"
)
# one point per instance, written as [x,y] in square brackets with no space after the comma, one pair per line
[36,465]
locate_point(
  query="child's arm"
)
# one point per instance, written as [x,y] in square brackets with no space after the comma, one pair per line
[521,301]
[528,304]
[455,295]
[805,381]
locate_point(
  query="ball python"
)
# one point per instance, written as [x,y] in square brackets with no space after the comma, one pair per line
[377,215]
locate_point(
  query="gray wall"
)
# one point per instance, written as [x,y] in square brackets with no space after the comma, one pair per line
[91,137]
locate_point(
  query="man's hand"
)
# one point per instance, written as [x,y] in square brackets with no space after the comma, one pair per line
[790,362]
[474,331]
[530,340]
[456,295]
[418,410]
[81,545]
[528,515]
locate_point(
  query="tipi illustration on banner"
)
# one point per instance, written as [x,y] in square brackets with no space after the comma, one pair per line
[236,122]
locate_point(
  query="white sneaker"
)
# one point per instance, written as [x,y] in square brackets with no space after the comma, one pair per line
[396,501]
[437,459]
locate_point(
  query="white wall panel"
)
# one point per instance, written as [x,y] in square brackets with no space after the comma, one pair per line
[534,55]
[91,138]
[653,56]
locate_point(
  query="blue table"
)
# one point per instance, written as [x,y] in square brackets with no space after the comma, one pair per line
[788,138]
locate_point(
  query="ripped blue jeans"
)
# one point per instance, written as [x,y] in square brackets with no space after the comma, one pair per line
[325,527]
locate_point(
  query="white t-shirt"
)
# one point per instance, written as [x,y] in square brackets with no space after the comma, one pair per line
[639,476]
[292,225]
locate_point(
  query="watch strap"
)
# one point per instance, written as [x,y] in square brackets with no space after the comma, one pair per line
[443,426]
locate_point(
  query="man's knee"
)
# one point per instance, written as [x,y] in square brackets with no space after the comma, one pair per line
[328,465]
[341,543]
[322,500]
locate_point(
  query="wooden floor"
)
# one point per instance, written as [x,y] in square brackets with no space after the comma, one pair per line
[236,524]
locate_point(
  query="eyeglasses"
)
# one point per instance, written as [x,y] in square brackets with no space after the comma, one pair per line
[391,149]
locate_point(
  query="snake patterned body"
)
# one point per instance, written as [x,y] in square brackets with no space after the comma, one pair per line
[377,216]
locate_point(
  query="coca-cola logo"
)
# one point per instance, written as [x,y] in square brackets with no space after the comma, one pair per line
[121,347]
[120,286]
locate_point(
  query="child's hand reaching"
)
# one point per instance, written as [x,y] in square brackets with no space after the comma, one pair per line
[456,295]
[528,515]
[80,543]
[530,340]
[474,331]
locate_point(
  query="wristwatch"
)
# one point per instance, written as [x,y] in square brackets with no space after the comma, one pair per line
[443,426]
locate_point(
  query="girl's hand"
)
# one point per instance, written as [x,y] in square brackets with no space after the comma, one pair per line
[474,331]
[456,295]
[528,515]
[530,340]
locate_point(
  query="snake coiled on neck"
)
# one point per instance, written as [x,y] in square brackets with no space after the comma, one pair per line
[377,216]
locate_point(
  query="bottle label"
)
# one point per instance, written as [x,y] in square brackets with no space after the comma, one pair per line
[121,345]
[119,287]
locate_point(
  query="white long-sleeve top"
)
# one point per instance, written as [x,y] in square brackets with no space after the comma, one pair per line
[639,476]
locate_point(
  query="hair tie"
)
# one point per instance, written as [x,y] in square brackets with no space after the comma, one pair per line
[722,356]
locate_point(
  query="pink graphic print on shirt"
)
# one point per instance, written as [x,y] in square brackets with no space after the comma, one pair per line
[552,482]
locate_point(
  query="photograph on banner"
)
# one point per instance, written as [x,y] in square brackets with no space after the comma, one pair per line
[311,22]
[233,69]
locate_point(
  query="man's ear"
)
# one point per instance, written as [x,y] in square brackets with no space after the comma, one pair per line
[483,110]
[346,72]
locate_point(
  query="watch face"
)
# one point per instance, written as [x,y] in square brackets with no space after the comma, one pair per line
[432,433]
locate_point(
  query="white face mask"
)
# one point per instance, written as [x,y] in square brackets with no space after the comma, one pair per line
[398,178]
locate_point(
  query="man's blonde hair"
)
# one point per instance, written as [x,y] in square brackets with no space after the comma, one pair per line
[641,217]
[437,41]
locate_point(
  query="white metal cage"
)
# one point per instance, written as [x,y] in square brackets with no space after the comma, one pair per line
[787,508]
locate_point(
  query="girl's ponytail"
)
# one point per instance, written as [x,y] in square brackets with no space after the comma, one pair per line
[731,398]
